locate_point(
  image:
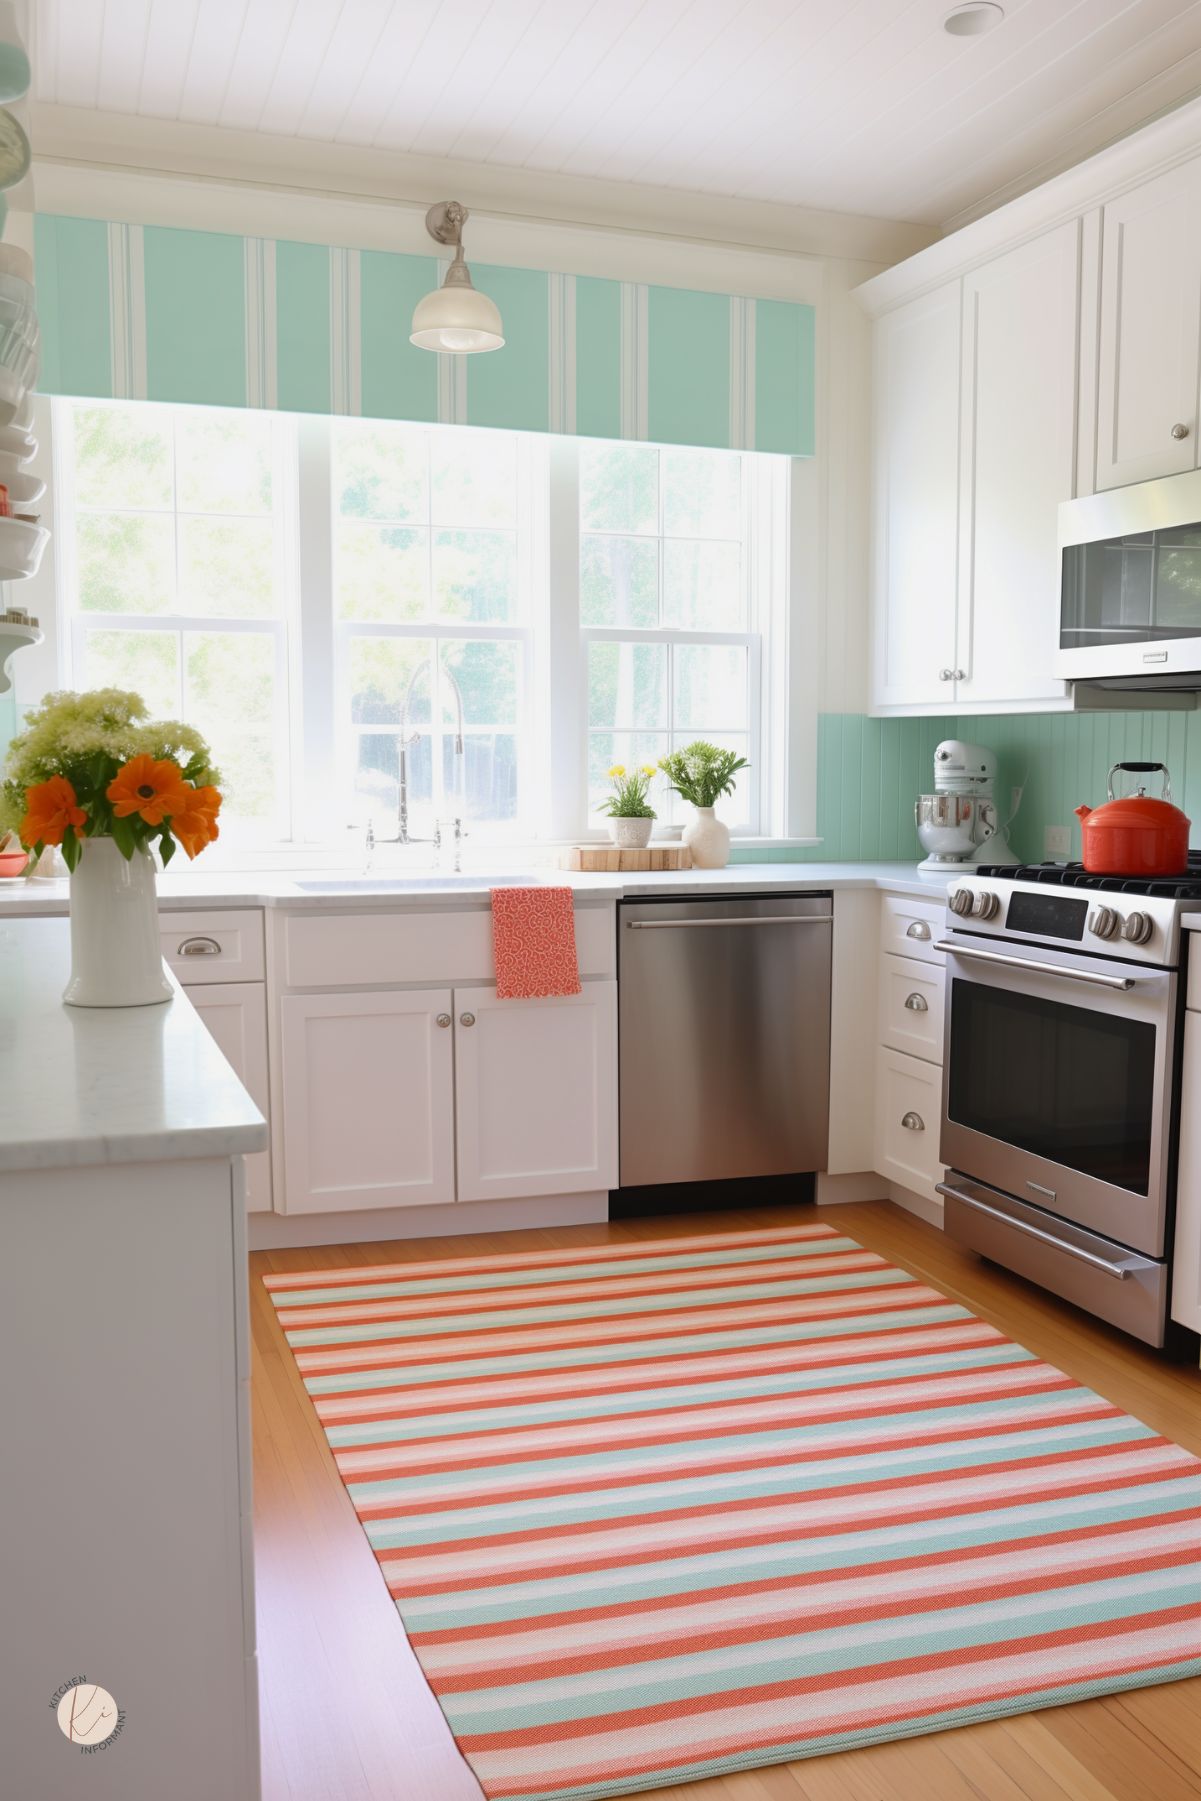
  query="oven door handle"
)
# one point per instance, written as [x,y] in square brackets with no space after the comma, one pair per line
[1118,1270]
[1092,976]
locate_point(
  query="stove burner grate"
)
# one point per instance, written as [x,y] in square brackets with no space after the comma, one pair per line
[1074,875]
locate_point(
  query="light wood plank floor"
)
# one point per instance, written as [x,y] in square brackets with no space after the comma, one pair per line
[346,1712]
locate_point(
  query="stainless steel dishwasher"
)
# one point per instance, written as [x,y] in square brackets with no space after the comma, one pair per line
[724,1014]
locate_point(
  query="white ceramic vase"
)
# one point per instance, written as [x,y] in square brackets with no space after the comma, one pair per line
[630,834]
[708,839]
[116,958]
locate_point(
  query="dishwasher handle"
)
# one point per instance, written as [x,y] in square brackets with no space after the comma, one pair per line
[746,919]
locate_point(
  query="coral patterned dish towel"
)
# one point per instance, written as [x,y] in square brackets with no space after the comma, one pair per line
[533,938]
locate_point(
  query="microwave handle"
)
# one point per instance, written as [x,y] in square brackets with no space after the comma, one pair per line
[1093,977]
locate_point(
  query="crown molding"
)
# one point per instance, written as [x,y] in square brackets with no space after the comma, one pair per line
[131,143]
[1166,142]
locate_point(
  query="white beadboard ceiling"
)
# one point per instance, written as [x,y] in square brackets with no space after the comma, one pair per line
[858,106]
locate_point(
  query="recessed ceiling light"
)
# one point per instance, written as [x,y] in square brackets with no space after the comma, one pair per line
[972,20]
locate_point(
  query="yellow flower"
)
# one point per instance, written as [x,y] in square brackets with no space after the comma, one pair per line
[618,769]
[649,769]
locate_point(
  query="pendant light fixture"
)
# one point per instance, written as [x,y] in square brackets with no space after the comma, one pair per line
[456,316]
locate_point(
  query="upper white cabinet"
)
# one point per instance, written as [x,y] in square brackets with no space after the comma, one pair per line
[1018,438]
[975,408]
[916,501]
[536,1093]
[1147,386]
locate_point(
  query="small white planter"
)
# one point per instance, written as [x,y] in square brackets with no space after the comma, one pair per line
[708,839]
[116,957]
[630,834]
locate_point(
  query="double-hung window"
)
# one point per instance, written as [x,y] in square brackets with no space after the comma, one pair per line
[431,598]
[666,615]
[174,578]
[371,619]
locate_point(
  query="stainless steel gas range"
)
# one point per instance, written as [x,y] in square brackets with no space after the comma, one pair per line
[1060,1083]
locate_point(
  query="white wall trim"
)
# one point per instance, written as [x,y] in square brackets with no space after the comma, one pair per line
[1167,142]
[127,143]
[153,198]
[273,1231]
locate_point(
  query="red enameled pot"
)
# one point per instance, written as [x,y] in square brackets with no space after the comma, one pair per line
[1135,834]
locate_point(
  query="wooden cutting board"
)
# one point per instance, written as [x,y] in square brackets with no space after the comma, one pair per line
[607,859]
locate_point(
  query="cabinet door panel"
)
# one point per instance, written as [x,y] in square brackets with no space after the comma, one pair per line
[916,500]
[236,1016]
[537,1093]
[1150,317]
[368,1101]
[1019,450]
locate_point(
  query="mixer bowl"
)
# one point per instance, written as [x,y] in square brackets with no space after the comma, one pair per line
[949,826]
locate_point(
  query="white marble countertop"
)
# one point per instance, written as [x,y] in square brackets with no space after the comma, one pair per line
[322,889]
[84,1086]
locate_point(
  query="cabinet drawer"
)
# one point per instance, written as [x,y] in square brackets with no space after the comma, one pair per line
[908,1112]
[213,947]
[909,928]
[911,1007]
[381,950]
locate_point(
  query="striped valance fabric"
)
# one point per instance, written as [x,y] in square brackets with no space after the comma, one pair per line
[149,312]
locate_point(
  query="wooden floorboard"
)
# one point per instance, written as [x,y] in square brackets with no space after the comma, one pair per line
[347,1715]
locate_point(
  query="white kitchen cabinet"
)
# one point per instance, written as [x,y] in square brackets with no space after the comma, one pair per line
[1186,1278]
[910,1005]
[908,1118]
[368,1086]
[536,1093]
[1018,436]
[236,1016]
[917,406]
[1147,378]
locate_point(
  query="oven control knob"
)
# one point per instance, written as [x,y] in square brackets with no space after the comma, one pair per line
[1137,928]
[960,901]
[1103,922]
[985,905]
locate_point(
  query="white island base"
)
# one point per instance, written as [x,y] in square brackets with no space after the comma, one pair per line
[126,1524]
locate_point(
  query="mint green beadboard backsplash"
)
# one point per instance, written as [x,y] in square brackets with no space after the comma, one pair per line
[869,772]
[151,312]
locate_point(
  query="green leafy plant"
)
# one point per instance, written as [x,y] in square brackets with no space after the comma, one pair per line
[629,797]
[701,773]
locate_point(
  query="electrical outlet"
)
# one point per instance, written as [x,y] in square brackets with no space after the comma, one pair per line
[1057,841]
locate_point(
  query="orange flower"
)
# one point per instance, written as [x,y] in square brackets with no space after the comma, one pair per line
[196,825]
[52,807]
[153,790]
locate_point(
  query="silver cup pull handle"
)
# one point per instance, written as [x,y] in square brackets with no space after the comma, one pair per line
[913,1122]
[917,1003]
[198,947]
[918,928]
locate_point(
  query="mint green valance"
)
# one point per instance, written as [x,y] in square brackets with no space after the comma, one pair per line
[157,313]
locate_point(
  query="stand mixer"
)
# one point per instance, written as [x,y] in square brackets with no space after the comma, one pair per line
[958,824]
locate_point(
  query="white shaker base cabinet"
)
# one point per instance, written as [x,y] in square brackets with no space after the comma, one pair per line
[236,1016]
[1186,1278]
[536,1093]
[369,1107]
[1150,324]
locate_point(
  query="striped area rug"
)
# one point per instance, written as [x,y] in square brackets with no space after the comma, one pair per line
[659,1510]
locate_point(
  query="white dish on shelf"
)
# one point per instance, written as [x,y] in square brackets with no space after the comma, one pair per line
[17,443]
[24,490]
[21,547]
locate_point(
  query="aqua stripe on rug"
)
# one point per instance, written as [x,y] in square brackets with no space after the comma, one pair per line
[656,1511]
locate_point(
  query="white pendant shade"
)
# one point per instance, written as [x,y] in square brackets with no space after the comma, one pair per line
[457,318]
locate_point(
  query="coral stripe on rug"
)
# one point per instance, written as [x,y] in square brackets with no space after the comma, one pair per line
[652,1512]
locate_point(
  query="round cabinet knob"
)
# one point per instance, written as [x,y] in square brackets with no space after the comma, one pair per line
[466,1019]
[985,905]
[442,1020]
[1179,431]
[961,901]
[1137,928]
[946,675]
[913,1122]
[1103,922]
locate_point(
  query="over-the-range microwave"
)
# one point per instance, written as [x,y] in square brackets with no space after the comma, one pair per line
[1130,595]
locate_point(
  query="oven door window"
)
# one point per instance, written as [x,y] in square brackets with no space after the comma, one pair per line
[1066,1083]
